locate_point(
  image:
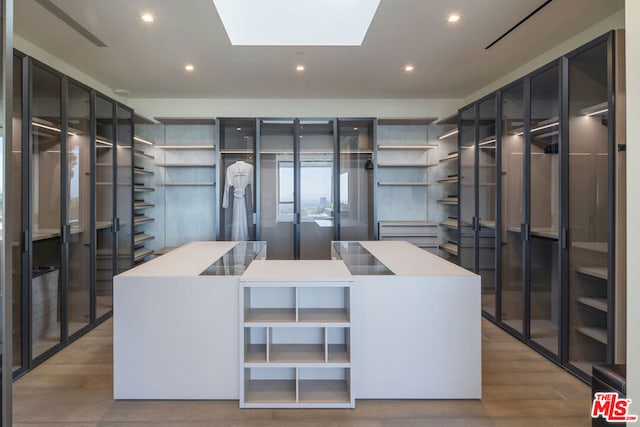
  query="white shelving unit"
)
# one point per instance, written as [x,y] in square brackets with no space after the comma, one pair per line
[295,335]
[141,205]
[423,234]
[449,181]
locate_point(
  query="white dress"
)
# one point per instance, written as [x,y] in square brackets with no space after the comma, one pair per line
[239,176]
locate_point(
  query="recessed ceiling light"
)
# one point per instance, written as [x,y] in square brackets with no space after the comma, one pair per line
[238,129]
[189,67]
[454,17]
[408,68]
[147,17]
[299,67]
[355,128]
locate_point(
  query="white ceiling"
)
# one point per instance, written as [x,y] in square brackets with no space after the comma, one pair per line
[450,60]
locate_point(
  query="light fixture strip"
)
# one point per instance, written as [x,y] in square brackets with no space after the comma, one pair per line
[143,141]
[447,135]
[595,113]
[100,141]
[51,128]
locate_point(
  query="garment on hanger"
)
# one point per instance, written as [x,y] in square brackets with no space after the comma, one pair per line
[239,176]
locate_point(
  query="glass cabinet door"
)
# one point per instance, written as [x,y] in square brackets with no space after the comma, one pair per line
[124,185]
[487,117]
[277,187]
[589,217]
[46,165]
[356,179]
[544,273]
[78,208]
[237,143]
[467,182]
[105,243]
[512,208]
[317,212]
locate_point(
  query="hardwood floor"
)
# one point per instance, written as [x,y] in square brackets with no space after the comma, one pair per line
[520,388]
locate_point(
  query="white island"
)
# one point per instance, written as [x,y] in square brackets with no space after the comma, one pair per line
[407,326]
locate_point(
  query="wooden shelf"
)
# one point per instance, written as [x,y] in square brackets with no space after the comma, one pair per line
[140,254]
[142,205]
[595,272]
[599,304]
[453,156]
[488,224]
[270,315]
[598,334]
[141,238]
[450,248]
[334,316]
[142,188]
[143,155]
[138,171]
[141,219]
[601,247]
[449,223]
[449,201]
[449,180]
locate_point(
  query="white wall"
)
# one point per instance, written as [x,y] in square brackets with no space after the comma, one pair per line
[632,17]
[387,108]
[613,22]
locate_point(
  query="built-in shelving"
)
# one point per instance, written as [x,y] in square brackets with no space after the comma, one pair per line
[450,223]
[449,180]
[140,238]
[139,171]
[598,334]
[143,155]
[596,303]
[139,205]
[449,157]
[451,200]
[296,335]
[595,272]
[141,219]
[141,253]
[450,247]
[142,188]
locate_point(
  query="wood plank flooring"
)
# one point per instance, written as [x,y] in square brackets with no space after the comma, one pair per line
[520,388]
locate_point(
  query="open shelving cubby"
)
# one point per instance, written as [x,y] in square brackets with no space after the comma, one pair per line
[407,159]
[448,180]
[295,336]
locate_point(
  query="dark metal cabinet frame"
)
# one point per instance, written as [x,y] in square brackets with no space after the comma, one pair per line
[562,358]
[27,362]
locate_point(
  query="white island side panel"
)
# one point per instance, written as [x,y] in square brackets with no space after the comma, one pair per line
[416,337]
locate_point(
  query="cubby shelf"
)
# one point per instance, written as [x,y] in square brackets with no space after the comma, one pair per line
[295,336]
[450,248]
[594,272]
[598,334]
[599,304]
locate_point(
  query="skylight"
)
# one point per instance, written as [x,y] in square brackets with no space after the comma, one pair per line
[296,22]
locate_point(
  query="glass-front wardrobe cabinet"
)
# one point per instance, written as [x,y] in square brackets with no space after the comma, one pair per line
[74,201]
